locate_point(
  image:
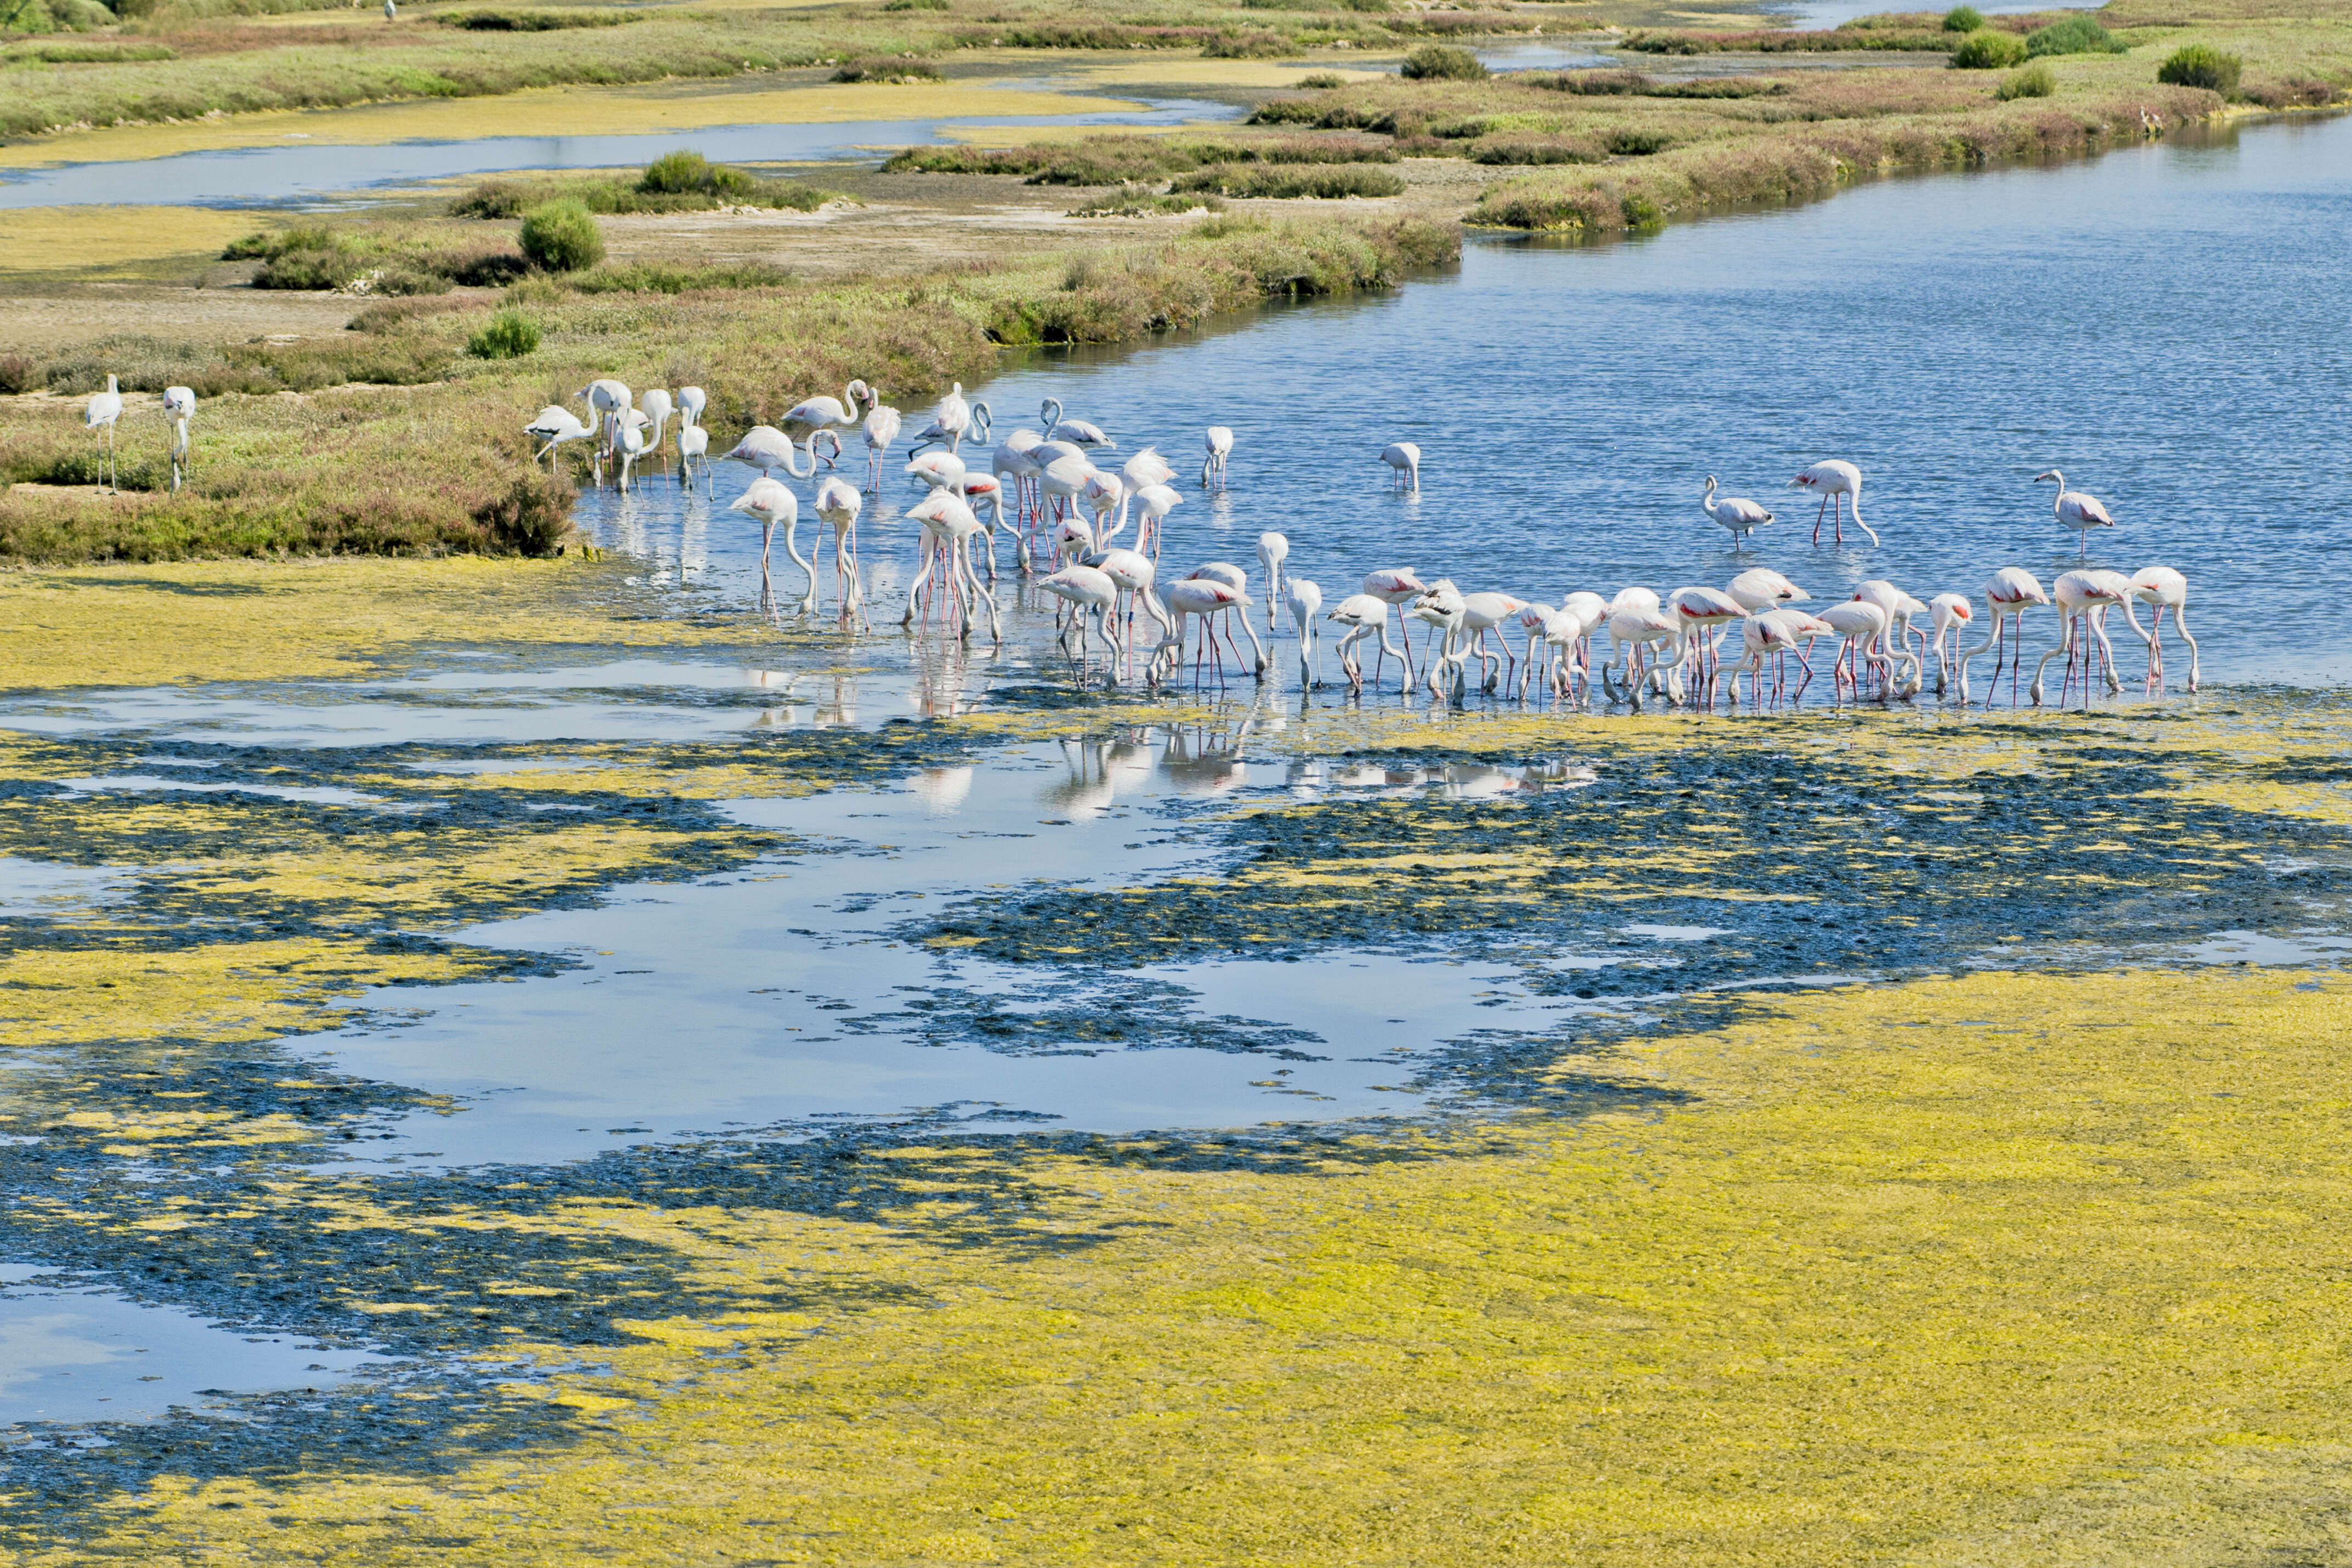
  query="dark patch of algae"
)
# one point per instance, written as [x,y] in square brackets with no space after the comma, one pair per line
[2037,1266]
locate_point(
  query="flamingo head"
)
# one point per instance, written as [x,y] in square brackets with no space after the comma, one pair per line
[2052,474]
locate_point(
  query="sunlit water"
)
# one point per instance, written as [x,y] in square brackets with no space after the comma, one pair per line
[2165,324]
[302,171]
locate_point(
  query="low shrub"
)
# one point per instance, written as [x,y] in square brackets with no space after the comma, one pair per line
[89,54]
[1145,204]
[1248,47]
[914,4]
[2294,92]
[2075,36]
[1963,19]
[1317,81]
[1986,49]
[1637,141]
[18,373]
[2036,80]
[650,278]
[674,182]
[685,173]
[2202,65]
[887,70]
[1265,183]
[1635,84]
[1442,62]
[508,335]
[1537,150]
[535,21]
[560,237]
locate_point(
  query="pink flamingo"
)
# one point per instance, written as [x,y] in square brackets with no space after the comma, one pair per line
[1835,480]
[2009,594]
[2077,510]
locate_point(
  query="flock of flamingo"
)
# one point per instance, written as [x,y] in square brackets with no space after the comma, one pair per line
[1067,512]
[1065,509]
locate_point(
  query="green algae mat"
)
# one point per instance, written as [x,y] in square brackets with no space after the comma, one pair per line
[1941,1210]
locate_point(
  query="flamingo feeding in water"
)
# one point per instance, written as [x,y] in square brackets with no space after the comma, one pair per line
[1079,432]
[838,503]
[1366,616]
[880,427]
[772,503]
[2167,590]
[1405,458]
[1305,599]
[2009,594]
[2082,597]
[1740,514]
[1273,549]
[1836,481]
[2075,509]
[1219,443]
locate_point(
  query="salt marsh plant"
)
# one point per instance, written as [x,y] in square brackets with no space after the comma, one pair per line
[508,335]
[1442,62]
[1326,183]
[1963,19]
[2202,65]
[2072,35]
[560,237]
[2036,80]
[1986,49]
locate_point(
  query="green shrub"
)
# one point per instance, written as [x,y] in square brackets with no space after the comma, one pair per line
[1963,19]
[1132,204]
[1641,212]
[1320,80]
[1987,50]
[535,21]
[2292,93]
[1633,142]
[1442,62]
[2036,80]
[2075,36]
[1248,47]
[508,335]
[685,173]
[914,4]
[560,237]
[648,278]
[887,70]
[1537,150]
[2202,65]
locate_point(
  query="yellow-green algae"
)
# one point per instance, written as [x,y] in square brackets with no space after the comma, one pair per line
[1993,1270]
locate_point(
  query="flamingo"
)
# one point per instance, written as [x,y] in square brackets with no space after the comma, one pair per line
[1366,616]
[1155,502]
[1078,432]
[1485,612]
[808,416]
[693,450]
[772,502]
[1835,480]
[1759,589]
[1219,443]
[766,448]
[1405,458]
[1063,478]
[1105,494]
[1397,586]
[1091,592]
[631,443]
[1861,627]
[953,419]
[949,524]
[691,402]
[1946,612]
[1442,608]
[936,470]
[1147,467]
[103,409]
[555,425]
[605,398]
[1233,577]
[838,503]
[1742,515]
[881,428]
[1305,599]
[977,488]
[1563,632]
[179,407]
[2077,510]
[1273,549]
[1132,573]
[1899,606]
[1014,461]
[657,407]
[1800,625]
[2167,590]
[1593,611]
[1759,635]
[1197,597]
[1700,611]
[1638,629]
[2009,594]
[1073,540]
[2080,596]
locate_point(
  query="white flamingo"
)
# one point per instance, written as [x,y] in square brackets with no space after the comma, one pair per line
[1947,614]
[1079,432]
[1836,481]
[103,410]
[2167,590]
[179,407]
[772,502]
[1304,599]
[1366,617]
[555,425]
[881,428]
[848,411]
[1742,515]
[1153,502]
[1219,443]
[2009,594]
[1090,591]
[1404,458]
[2077,510]
[838,503]
[1197,599]
[2082,596]
[766,448]
[1273,549]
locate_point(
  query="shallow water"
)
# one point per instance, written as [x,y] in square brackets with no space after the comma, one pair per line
[74,1353]
[303,173]
[2163,324]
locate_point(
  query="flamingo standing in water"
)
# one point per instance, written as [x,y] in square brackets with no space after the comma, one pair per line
[838,503]
[1219,443]
[1273,549]
[693,452]
[1083,433]
[102,412]
[1197,598]
[1155,502]
[1366,616]
[1132,574]
[1861,627]
[1091,593]
[765,447]
[2009,594]
[1740,514]
[1405,458]
[1836,481]
[1305,599]
[1759,589]
[810,415]
[2167,590]
[772,503]
[2077,510]
[1947,614]
[880,427]
[949,525]
[2082,597]
[555,425]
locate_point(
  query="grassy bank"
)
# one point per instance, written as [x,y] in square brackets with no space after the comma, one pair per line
[440,463]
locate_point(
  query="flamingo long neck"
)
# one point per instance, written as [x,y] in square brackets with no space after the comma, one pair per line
[1050,413]
[796,472]
[2058,506]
